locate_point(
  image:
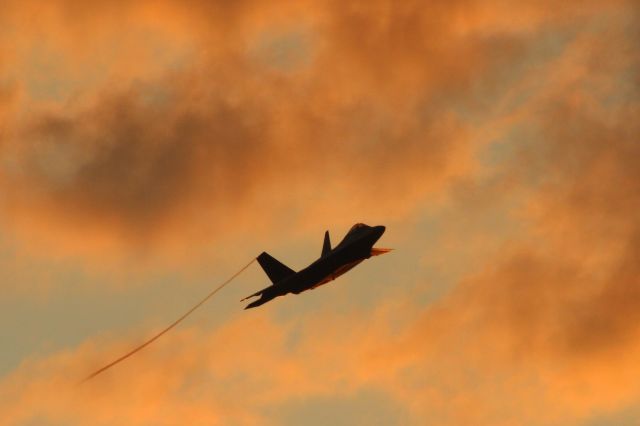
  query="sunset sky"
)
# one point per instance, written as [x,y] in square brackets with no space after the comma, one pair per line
[150,149]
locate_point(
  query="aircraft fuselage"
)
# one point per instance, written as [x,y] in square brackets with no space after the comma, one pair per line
[356,247]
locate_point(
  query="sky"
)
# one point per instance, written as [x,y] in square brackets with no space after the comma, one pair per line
[150,149]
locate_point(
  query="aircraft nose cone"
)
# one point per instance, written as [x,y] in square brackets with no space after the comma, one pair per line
[379,230]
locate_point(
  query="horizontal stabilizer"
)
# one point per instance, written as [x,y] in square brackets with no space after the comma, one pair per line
[257,293]
[376,251]
[275,270]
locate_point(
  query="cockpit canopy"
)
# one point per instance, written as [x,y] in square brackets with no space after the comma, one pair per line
[358,226]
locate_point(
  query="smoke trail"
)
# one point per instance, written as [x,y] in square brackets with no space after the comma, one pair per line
[176,322]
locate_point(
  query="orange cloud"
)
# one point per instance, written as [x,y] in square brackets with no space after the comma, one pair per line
[545,332]
[185,127]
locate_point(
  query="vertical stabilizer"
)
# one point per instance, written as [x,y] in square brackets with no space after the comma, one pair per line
[326,247]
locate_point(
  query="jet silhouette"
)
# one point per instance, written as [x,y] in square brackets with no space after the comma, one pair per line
[355,247]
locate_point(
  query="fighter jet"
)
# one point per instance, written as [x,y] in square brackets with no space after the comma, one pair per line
[355,247]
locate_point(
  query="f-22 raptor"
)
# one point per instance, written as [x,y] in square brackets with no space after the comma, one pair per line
[355,247]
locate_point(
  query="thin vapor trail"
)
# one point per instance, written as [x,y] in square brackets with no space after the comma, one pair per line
[176,322]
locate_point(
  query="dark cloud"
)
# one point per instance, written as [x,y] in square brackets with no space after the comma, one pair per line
[202,141]
[135,163]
